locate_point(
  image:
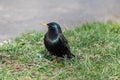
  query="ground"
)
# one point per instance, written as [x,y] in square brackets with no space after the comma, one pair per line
[95,45]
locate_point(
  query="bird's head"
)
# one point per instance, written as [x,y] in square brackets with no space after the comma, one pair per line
[53,26]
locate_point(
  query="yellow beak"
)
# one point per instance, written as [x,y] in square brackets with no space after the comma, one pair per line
[43,24]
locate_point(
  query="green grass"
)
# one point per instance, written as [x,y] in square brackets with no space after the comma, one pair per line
[96,46]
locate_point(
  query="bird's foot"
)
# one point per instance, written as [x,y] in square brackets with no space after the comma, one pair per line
[54,60]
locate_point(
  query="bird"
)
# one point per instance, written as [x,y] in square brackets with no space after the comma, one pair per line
[55,42]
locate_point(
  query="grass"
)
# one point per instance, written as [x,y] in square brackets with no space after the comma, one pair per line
[96,46]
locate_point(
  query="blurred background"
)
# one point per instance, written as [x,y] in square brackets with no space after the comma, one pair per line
[19,16]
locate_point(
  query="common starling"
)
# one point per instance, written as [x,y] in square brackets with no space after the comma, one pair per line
[56,43]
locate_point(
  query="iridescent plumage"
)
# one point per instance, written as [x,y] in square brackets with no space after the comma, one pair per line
[55,42]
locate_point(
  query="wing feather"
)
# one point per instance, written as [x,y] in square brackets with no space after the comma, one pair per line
[64,41]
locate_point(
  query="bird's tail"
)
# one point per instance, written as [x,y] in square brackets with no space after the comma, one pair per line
[70,56]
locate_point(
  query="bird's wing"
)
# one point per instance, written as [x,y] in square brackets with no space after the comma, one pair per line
[64,41]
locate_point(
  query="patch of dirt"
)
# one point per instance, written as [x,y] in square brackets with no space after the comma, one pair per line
[8,60]
[20,67]
[25,78]
[43,76]
[3,55]
[95,57]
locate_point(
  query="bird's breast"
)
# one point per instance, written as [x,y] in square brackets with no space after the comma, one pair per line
[53,41]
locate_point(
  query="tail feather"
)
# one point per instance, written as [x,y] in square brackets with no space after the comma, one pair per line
[70,56]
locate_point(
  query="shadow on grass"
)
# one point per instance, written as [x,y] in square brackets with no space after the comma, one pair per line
[52,58]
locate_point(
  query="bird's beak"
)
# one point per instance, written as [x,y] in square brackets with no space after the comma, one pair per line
[43,24]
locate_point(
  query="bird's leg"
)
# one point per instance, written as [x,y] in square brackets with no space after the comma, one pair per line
[54,60]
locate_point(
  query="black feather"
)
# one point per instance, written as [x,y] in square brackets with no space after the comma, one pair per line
[55,42]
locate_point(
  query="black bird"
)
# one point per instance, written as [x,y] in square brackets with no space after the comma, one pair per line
[55,42]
